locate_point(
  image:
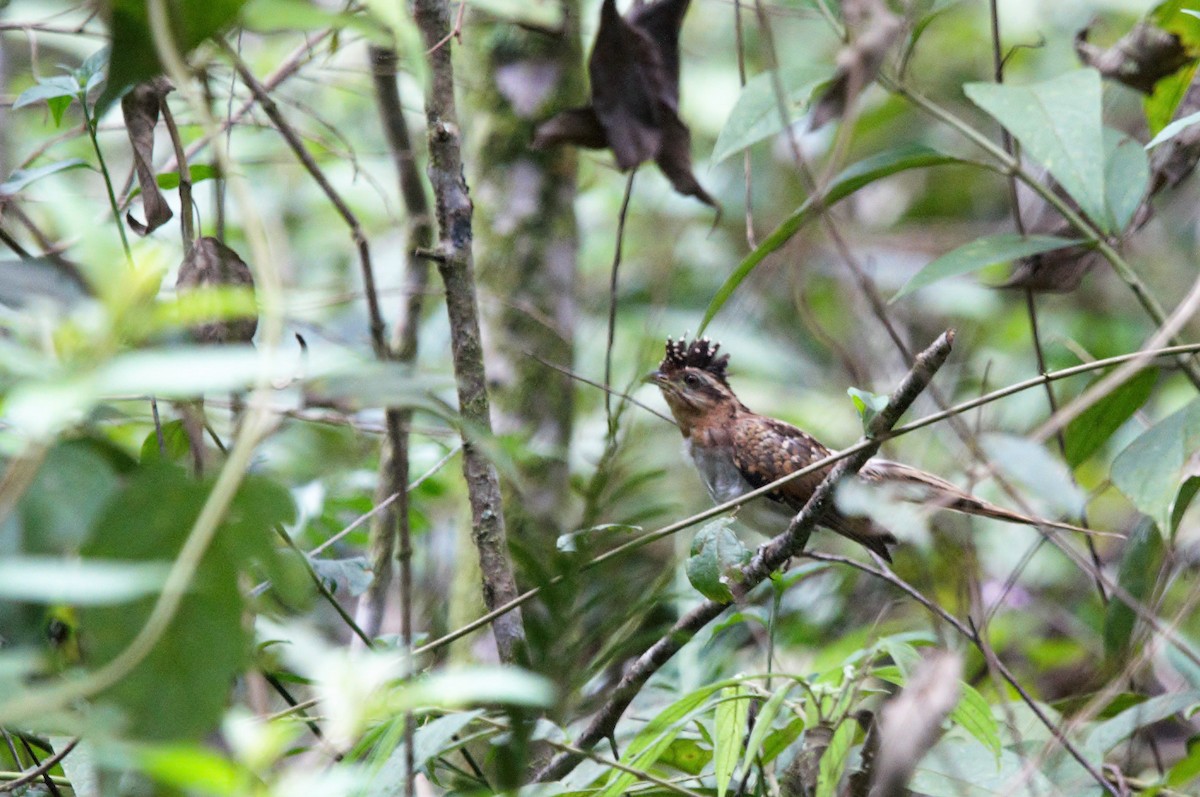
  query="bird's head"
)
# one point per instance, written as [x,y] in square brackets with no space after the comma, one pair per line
[692,380]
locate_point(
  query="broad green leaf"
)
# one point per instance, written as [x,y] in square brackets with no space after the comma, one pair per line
[756,116]
[1029,465]
[730,728]
[779,740]
[716,559]
[175,445]
[205,643]
[1175,128]
[834,759]
[981,253]
[966,768]
[46,579]
[1126,177]
[59,86]
[762,726]
[974,715]
[134,57]
[1151,468]
[1108,734]
[71,488]
[1137,575]
[1093,428]
[1058,124]
[23,178]
[270,16]
[854,177]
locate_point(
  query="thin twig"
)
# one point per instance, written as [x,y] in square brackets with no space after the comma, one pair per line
[29,776]
[612,304]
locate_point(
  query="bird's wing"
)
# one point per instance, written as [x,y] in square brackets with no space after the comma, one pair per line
[765,449]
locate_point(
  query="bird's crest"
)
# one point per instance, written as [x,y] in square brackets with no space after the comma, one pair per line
[700,353]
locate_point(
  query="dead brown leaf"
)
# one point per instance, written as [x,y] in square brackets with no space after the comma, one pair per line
[141,108]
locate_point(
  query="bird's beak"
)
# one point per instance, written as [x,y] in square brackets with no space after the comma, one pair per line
[655,378]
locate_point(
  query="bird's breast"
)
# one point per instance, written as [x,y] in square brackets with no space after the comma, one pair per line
[725,483]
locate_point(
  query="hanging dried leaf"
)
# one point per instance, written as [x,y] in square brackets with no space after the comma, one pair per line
[634,72]
[140,108]
[875,29]
[212,264]
[1139,59]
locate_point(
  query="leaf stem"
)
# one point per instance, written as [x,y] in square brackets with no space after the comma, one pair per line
[91,123]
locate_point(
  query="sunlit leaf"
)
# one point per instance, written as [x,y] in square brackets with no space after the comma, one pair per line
[192,768]
[756,114]
[974,715]
[1058,124]
[762,726]
[730,728]
[981,253]
[834,760]
[851,179]
[59,86]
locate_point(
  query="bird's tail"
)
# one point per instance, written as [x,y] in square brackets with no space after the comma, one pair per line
[925,488]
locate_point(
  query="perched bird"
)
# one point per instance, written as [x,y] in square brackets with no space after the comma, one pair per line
[737,450]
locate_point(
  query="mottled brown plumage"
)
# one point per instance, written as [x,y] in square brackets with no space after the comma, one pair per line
[737,450]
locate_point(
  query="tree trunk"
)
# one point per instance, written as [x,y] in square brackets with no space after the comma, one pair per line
[526,250]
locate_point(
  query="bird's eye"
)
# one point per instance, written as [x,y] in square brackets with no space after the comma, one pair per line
[691,380]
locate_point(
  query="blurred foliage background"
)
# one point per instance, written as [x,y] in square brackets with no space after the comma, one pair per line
[86,481]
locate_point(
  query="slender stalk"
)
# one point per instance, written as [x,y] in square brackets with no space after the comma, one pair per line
[90,122]
[612,306]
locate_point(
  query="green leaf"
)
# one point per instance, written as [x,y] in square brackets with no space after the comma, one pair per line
[198,173]
[867,404]
[1107,735]
[686,755]
[192,768]
[1186,769]
[854,177]
[966,768]
[730,725]
[134,57]
[51,88]
[22,178]
[1058,124]
[1126,177]
[1175,128]
[1151,468]
[179,690]
[46,579]
[1137,575]
[545,14]
[174,441]
[657,735]
[58,107]
[974,715]
[1095,425]
[1031,466]
[981,253]
[716,559]
[762,726]
[352,575]
[1168,93]
[71,488]
[271,16]
[833,761]
[755,115]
